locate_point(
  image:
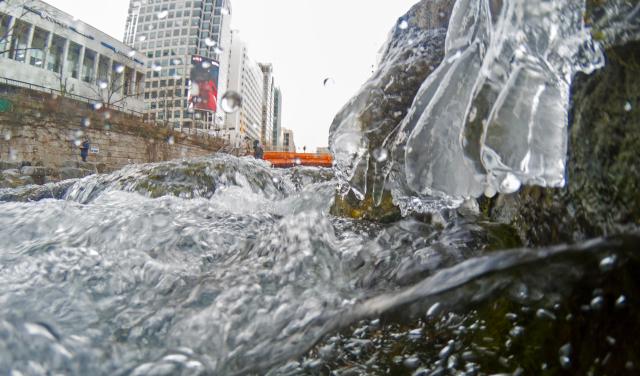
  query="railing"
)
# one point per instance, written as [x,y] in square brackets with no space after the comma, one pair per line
[80,98]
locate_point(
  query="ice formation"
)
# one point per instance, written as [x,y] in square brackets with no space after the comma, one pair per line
[493,116]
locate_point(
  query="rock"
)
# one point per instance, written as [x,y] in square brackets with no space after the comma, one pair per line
[25,163]
[74,173]
[33,171]
[37,192]
[11,172]
[70,164]
[6,165]
[26,180]
[601,195]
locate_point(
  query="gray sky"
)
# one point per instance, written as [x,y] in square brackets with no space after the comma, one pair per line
[306,40]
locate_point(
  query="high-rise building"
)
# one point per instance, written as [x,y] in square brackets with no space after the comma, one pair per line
[288,144]
[187,45]
[268,89]
[276,140]
[245,78]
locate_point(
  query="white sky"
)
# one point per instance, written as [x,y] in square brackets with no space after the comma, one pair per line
[306,40]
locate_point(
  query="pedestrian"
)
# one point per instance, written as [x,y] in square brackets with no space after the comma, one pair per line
[258,151]
[84,149]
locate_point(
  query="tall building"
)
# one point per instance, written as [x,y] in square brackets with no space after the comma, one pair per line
[268,89]
[276,140]
[184,41]
[288,144]
[245,78]
[52,51]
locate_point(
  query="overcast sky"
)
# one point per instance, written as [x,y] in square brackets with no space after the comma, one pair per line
[306,40]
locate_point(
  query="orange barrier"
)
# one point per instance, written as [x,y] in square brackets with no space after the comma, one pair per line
[290,159]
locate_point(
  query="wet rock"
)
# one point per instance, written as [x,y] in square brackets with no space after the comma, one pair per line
[601,195]
[37,192]
[33,171]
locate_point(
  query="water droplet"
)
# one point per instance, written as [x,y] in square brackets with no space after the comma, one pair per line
[176,61]
[627,106]
[13,154]
[206,64]
[621,302]
[162,14]
[85,122]
[171,140]
[217,50]
[608,263]
[473,113]
[142,38]
[131,53]
[7,135]
[224,11]
[106,115]
[380,154]
[209,42]
[516,331]
[511,316]
[297,161]
[489,191]
[510,184]
[403,25]
[119,68]
[434,309]
[611,340]
[597,303]
[544,314]
[102,84]
[445,352]
[156,67]
[275,180]
[231,102]
[328,82]
[97,106]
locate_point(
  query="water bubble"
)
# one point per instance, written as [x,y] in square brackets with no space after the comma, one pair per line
[102,84]
[544,314]
[564,356]
[231,102]
[85,122]
[434,309]
[97,106]
[627,106]
[510,184]
[511,316]
[380,154]
[209,42]
[516,331]
[403,25]
[119,68]
[162,14]
[611,340]
[608,263]
[597,303]
[411,362]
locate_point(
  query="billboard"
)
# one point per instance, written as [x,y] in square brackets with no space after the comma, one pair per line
[203,91]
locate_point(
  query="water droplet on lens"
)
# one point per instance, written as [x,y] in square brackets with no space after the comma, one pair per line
[544,314]
[597,303]
[142,38]
[102,84]
[209,42]
[85,122]
[156,67]
[97,106]
[327,82]
[434,309]
[516,331]
[119,68]
[627,106]
[621,302]
[131,53]
[611,340]
[608,263]
[489,191]
[297,161]
[403,25]
[170,140]
[380,154]
[217,50]
[7,135]
[162,14]
[231,102]
[206,64]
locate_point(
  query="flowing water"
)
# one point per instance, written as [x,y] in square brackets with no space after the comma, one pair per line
[223,265]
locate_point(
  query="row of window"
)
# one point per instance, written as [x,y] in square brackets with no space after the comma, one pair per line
[47,50]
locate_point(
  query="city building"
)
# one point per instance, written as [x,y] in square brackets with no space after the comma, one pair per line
[52,51]
[245,78]
[276,140]
[268,89]
[186,43]
[288,144]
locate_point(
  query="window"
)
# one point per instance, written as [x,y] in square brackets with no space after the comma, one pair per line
[20,41]
[72,67]
[103,69]
[88,65]
[56,53]
[5,21]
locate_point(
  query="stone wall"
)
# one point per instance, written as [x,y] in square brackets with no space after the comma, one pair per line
[46,130]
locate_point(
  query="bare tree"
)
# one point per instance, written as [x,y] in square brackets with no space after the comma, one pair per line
[114,92]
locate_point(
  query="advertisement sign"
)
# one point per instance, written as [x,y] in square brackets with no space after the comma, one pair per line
[203,91]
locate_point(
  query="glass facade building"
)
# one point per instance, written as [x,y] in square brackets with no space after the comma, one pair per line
[169,33]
